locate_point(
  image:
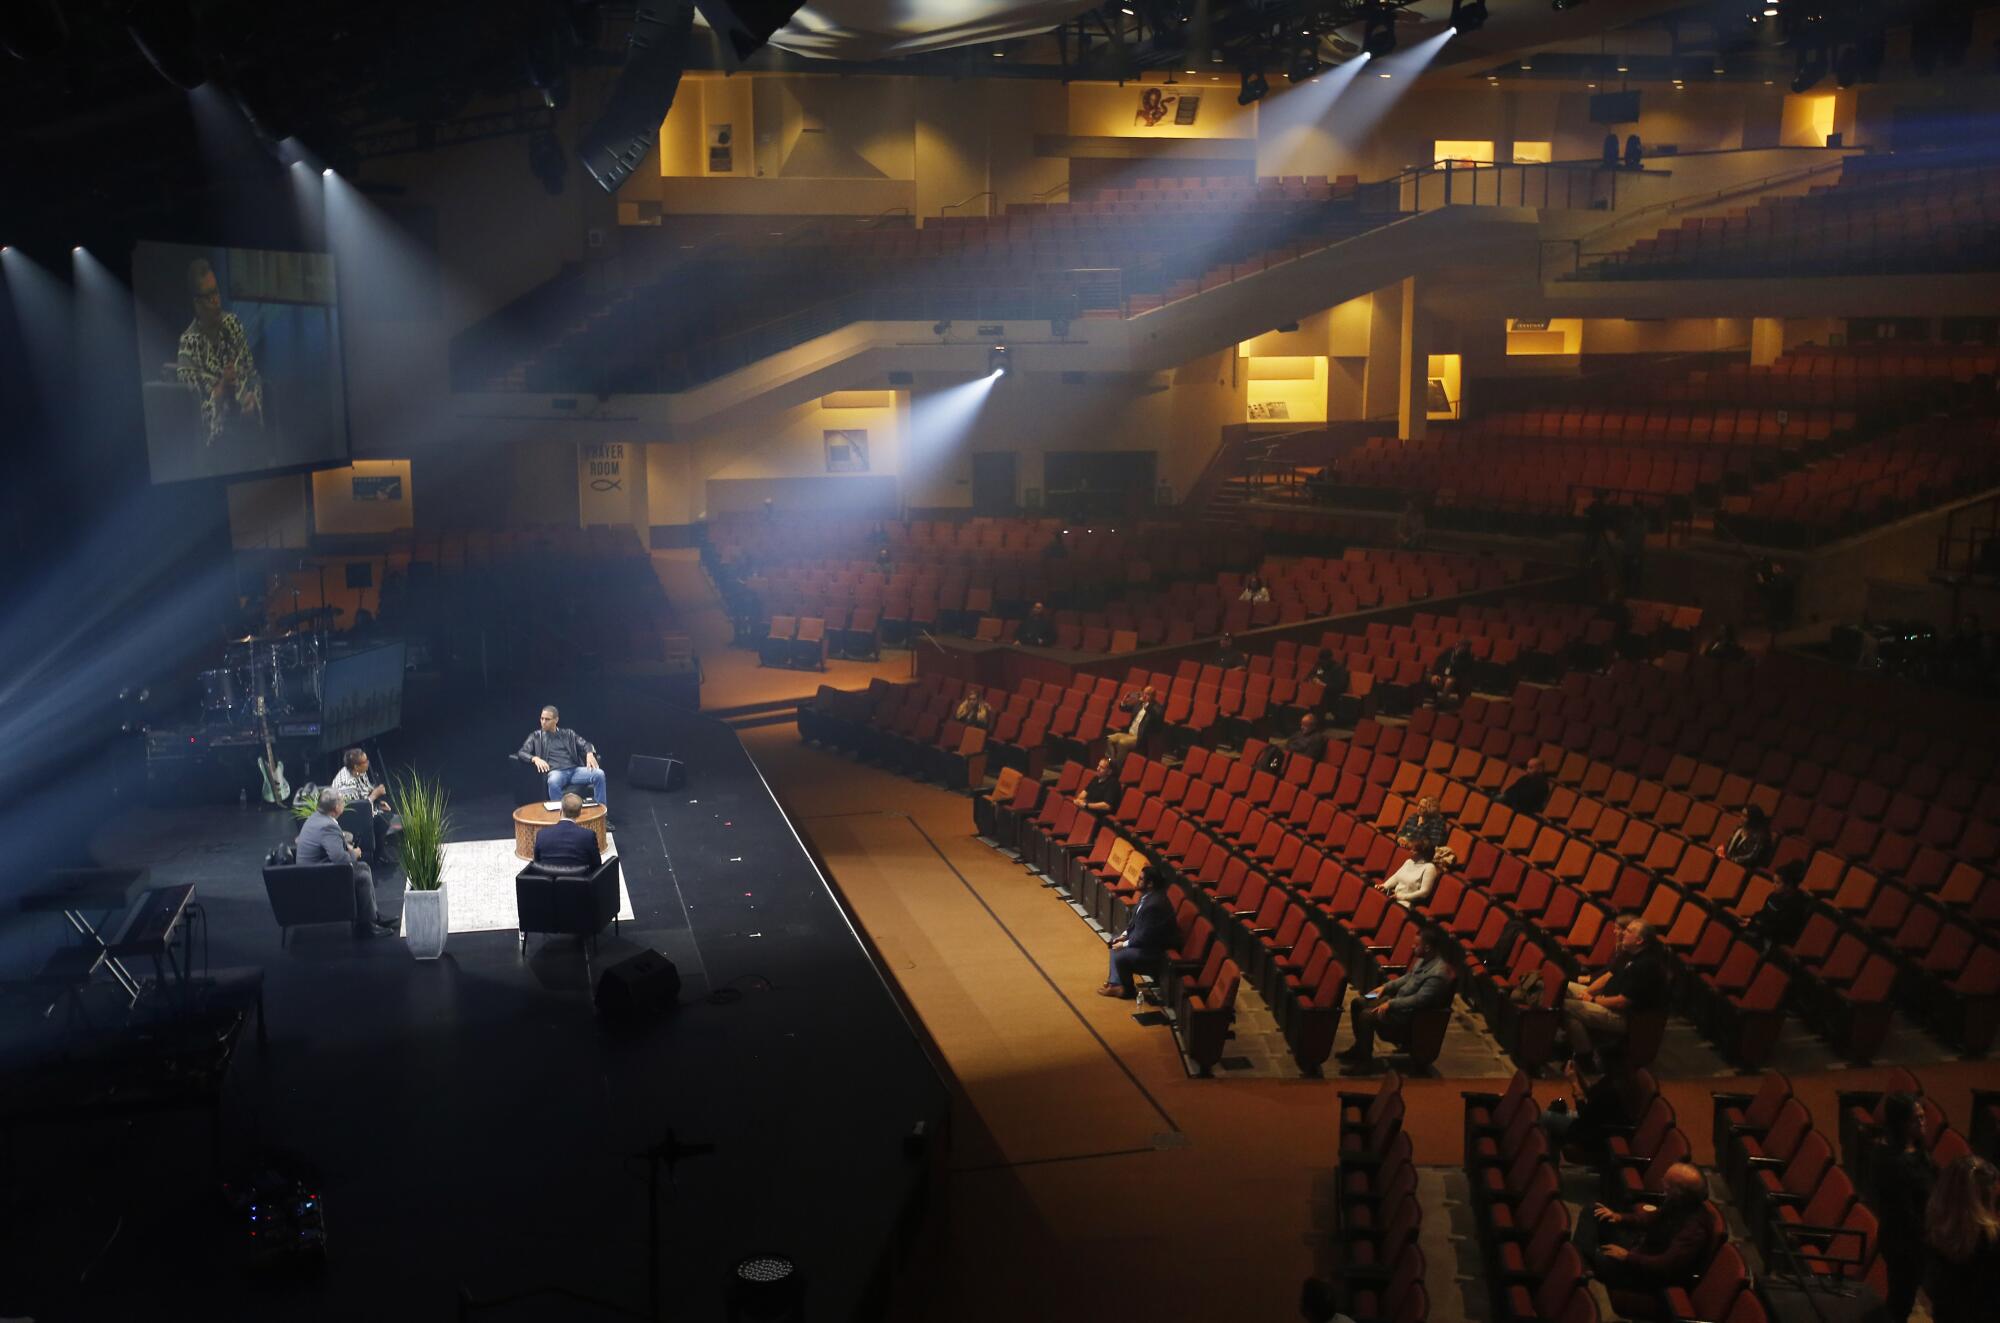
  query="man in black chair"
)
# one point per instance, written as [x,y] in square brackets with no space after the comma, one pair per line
[567,846]
[1391,1008]
[321,841]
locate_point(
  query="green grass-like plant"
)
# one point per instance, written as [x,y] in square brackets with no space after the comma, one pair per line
[426,810]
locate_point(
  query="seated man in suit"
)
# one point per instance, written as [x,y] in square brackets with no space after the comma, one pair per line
[321,841]
[1145,707]
[1390,1008]
[1149,932]
[568,845]
[1038,630]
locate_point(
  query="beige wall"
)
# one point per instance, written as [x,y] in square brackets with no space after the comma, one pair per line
[1103,110]
[269,512]
[336,512]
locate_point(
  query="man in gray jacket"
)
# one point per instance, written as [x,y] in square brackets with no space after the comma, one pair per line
[321,841]
[1390,1009]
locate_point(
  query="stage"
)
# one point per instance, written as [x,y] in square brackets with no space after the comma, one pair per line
[474,1124]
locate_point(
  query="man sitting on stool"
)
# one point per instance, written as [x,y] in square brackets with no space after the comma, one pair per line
[564,757]
[321,841]
[567,844]
[1389,1010]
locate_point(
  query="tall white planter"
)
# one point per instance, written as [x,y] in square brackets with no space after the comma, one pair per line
[425,922]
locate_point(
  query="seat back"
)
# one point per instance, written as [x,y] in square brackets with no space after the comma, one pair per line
[310,893]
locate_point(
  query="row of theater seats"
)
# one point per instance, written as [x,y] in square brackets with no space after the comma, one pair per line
[1868,376]
[1880,218]
[1380,1274]
[1534,1270]
[1909,470]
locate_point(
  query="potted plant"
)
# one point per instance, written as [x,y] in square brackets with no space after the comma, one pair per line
[426,819]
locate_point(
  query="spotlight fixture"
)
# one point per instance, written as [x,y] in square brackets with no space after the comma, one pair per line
[1378,35]
[327,173]
[1255,85]
[997,360]
[1468,15]
[1304,62]
[765,1287]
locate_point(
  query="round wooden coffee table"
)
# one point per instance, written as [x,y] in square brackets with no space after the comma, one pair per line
[531,818]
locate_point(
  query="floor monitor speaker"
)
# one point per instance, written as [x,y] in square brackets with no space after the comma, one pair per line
[668,773]
[638,987]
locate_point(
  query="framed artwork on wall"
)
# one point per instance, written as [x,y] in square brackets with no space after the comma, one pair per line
[846,450]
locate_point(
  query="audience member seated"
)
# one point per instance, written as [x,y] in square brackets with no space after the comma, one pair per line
[973,710]
[1230,657]
[1100,793]
[1962,1243]
[1307,742]
[1749,845]
[1410,526]
[1330,674]
[1902,1178]
[1451,678]
[1426,825]
[321,841]
[1530,792]
[1254,591]
[1598,1013]
[567,845]
[1038,630]
[1653,1246]
[1389,1009]
[1144,707]
[1413,882]
[1148,934]
[1785,910]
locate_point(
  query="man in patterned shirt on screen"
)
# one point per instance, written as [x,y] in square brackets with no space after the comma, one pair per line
[214,362]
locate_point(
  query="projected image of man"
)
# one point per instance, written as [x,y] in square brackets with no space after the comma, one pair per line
[215,363]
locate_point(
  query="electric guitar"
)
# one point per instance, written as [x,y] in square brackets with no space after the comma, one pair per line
[272,772]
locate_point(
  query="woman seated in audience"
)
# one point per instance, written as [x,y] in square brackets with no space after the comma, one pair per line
[1254,591]
[1413,883]
[973,710]
[1962,1243]
[1749,845]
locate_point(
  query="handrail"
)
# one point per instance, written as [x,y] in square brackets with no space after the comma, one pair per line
[953,206]
[1707,199]
[1061,186]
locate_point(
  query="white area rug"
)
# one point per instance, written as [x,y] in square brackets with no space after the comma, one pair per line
[479,885]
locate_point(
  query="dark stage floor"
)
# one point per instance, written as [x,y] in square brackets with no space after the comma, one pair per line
[474,1124]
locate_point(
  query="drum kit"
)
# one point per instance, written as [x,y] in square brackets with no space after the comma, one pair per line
[284,670]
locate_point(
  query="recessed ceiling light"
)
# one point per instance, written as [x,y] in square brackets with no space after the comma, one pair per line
[1385,75]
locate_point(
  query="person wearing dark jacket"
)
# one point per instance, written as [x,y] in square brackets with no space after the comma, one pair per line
[1148,934]
[1530,792]
[1785,910]
[1230,657]
[1145,709]
[1673,1234]
[1903,1178]
[1749,845]
[566,844]
[1037,631]
[1962,1242]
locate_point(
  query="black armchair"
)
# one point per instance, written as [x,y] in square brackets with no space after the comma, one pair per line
[309,893]
[532,787]
[577,902]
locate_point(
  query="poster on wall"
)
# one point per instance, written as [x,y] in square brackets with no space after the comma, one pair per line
[1157,103]
[603,472]
[721,152]
[846,450]
[1270,411]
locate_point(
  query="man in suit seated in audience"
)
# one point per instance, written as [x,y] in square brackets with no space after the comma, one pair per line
[1391,1009]
[1230,657]
[1665,1241]
[1144,707]
[1785,910]
[1530,791]
[1600,1011]
[566,845]
[1451,677]
[1330,675]
[1037,631]
[1148,934]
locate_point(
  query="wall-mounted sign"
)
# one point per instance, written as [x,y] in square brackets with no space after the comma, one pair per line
[846,450]
[603,473]
[378,487]
[1157,103]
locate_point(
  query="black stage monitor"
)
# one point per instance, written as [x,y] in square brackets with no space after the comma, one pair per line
[361,696]
[239,360]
